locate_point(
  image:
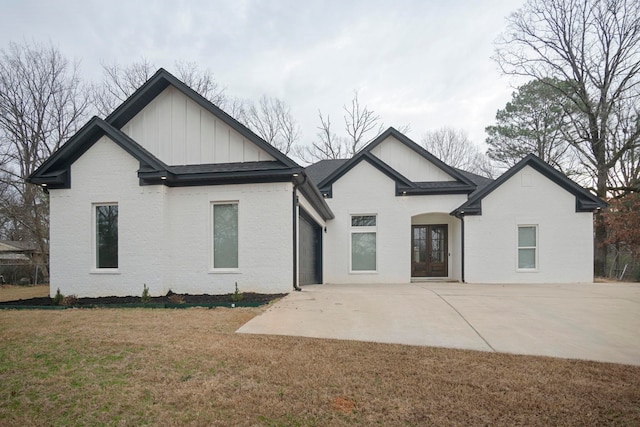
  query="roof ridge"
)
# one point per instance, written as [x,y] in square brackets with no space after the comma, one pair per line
[159,82]
[585,201]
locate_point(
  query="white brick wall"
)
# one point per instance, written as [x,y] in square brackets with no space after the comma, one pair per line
[565,238]
[366,190]
[165,233]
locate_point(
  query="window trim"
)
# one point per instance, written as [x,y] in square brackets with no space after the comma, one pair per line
[536,249]
[362,229]
[94,240]
[222,270]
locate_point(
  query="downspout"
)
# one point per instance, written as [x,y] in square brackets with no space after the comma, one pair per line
[462,243]
[295,230]
[460,216]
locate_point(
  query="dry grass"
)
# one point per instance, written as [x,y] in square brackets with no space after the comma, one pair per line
[187,367]
[12,293]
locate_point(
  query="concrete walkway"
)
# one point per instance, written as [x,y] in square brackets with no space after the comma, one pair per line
[583,321]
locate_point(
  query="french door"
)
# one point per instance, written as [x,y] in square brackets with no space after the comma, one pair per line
[429,253]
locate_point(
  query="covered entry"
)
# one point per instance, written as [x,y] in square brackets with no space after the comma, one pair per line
[310,250]
[429,250]
[435,247]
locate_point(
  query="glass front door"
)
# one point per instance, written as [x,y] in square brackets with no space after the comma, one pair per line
[429,252]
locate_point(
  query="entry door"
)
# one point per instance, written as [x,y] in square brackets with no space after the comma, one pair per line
[429,253]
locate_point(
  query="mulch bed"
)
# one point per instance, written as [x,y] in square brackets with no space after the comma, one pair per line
[248,297]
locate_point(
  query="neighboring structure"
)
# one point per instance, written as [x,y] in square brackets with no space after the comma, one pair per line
[20,263]
[171,192]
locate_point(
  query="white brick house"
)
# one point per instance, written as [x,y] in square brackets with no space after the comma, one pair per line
[171,192]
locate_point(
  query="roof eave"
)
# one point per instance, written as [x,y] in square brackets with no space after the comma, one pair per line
[313,195]
[159,82]
[172,179]
[416,191]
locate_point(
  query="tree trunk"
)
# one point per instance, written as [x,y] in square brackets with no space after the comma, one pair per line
[600,249]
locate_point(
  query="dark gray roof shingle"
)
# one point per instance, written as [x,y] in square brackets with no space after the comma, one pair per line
[317,172]
[227,167]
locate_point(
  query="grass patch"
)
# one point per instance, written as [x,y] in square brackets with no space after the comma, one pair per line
[187,367]
[12,293]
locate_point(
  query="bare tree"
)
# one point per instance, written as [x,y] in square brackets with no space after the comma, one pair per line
[271,119]
[453,147]
[119,82]
[624,177]
[42,103]
[361,125]
[594,45]
[327,144]
[202,81]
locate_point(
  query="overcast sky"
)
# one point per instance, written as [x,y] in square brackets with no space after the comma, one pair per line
[422,62]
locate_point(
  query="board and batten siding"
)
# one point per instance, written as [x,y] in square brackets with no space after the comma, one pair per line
[180,132]
[165,234]
[564,241]
[409,163]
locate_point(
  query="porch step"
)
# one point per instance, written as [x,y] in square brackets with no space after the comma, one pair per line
[432,279]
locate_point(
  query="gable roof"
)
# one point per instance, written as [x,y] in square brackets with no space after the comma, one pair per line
[479,180]
[163,79]
[55,171]
[404,186]
[585,201]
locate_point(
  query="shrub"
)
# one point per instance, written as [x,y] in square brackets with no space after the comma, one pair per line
[57,300]
[146,297]
[176,299]
[70,300]
[237,296]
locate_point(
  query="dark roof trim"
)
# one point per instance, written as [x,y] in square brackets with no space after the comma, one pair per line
[312,194]
[420,150]
[159,82]
[585,201]
[404,186]
[172,178]
[401,181]
[425,191]
[55,171]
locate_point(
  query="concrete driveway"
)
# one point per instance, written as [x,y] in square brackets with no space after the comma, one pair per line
[583,321]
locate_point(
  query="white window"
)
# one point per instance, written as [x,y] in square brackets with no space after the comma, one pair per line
[106,236]
[225,235]
[527,247]
[363,243]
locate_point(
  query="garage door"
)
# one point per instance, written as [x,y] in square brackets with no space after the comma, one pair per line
[310,252]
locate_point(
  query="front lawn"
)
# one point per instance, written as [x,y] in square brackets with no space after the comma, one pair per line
[12,292]
[188,367]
